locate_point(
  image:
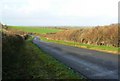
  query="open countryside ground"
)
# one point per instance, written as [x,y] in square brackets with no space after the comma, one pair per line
[23,60]
[46,30]
[110,49]
[97,63]
[39,30]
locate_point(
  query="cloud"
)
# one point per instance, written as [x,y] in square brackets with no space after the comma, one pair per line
[59,10]
[88,8]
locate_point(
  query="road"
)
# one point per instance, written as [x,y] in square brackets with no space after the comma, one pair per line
[90,63]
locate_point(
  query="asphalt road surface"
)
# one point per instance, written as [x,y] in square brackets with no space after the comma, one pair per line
[91,64]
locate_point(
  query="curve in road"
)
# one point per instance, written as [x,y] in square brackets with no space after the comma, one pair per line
[92,64]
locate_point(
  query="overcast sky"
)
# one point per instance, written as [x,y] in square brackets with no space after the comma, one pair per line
[59,12]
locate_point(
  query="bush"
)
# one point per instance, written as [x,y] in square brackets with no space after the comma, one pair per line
[100,35]
[11,50]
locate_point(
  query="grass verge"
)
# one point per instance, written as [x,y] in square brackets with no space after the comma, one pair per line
[30,62]
[103,48]
[53,68]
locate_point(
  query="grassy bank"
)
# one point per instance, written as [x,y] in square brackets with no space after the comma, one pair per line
[40,30]
[27,61]
[94,47]
[52,68]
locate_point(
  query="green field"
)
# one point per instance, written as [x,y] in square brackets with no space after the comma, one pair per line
[44,30]
[40,30]
[94,47]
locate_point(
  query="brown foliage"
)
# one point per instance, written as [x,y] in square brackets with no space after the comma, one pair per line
[100,35]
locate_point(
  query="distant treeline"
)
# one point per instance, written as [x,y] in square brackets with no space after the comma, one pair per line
[99,35]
